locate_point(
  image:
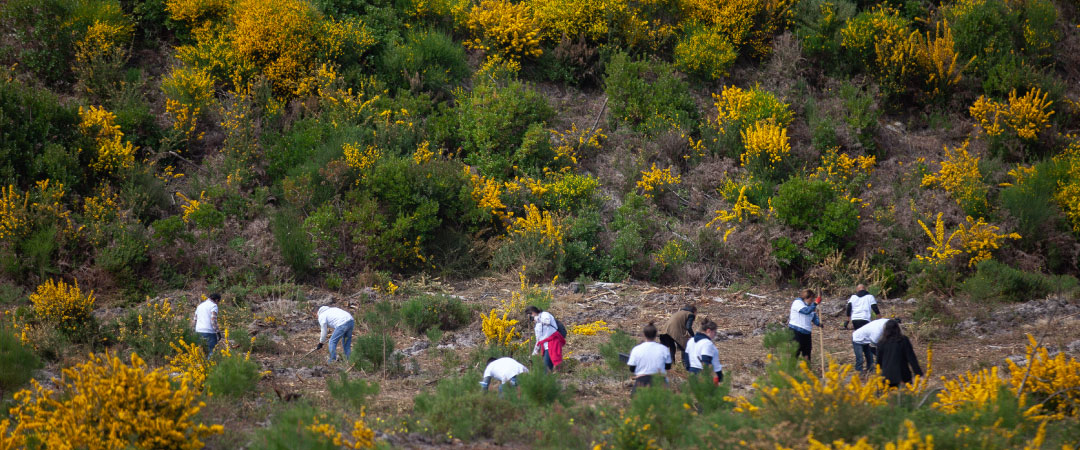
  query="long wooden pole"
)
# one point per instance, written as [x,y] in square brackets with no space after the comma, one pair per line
[821,341]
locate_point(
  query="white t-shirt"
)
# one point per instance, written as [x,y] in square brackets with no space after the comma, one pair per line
[860,306]
[333,317]
[869,333]
[649,358]
[545,326]
[804,321]
[503,369]
[704,347]
[205,315]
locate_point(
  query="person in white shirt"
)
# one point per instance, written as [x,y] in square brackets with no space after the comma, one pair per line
[864,340]
[703,352]
[648,358]
[801,319]
[206,322]
[859,309]
[860,306]
[503,369]
[342,323]
[546,325]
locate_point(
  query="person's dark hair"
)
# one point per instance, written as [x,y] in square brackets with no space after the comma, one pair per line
[491,359]
[690,308]
[650,331]
[215,297]
[808,294]
[891,332]
[532,310]
[708,325]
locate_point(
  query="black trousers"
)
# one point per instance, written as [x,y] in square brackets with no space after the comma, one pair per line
[806,344]
[856,324]
[642,381]
[672,346]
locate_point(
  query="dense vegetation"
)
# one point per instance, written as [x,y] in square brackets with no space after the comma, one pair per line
[255,146]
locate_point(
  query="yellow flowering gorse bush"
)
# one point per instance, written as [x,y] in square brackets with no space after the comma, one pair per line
[979,239]
[113,154]
[655,180]
[107,404]
[591,329]
[62,304]
[1026,116]
[960,177]
[942,250]
[506,28]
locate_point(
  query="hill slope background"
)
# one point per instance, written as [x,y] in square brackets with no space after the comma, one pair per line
[388,156]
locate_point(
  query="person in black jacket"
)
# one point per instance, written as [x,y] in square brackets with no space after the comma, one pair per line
[895,355]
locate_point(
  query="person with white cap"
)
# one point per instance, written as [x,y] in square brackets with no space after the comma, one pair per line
[342,323]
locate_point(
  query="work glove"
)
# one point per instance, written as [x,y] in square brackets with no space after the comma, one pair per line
[319,347]
[817,300]
[715,379]
[845,324]
[536,350]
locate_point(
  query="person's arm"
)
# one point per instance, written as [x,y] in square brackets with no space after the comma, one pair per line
[689,325]
[808,309]
[816,319]
[633,369]
[322,329]
[876,310]
[848,310]
[485,383]
[213,319]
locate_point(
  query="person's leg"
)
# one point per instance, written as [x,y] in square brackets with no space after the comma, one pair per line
[868,353]
[796,336]
[346,339]
[210,341]
[334,338]
[685,360]
[858,348]
[806,345]
[548,365]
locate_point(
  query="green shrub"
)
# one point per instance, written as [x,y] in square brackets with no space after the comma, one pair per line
[459,408]
[427,60]
[861,115]
[705,52]
[354,393]
[373,352]
[17,362]
[618,342]
[233,376]
[294,244]
[815,206]
[288,430]
[493,120]
[148,330]
[435,311]
[1032,203]
[996,281]
[648,96]
[1009,41]
[817,25]
[125,255]
[635,221]
[541,388]
[41,136]
[663,410]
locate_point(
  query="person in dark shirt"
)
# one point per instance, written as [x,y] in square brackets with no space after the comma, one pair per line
[896,357]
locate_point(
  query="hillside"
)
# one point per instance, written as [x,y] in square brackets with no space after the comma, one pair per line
[433,167]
